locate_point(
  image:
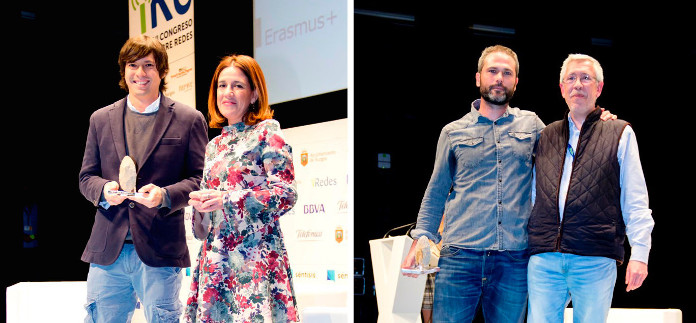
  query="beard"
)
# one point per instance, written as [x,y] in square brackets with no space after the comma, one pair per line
[499,99]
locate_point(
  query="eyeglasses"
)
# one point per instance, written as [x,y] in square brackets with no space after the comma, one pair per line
[584,79]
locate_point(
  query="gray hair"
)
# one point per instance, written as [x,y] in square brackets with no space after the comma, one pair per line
[599,73]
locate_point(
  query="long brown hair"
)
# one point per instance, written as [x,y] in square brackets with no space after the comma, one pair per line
[257,111]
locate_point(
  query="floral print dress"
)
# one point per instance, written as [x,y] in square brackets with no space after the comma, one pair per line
[242,273]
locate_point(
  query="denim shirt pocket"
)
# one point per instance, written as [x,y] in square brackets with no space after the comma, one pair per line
[522,145]
[468,150]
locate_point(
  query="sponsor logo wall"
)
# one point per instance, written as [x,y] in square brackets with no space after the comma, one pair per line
[318,232]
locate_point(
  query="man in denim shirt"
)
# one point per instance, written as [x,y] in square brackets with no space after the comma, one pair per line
[481,183]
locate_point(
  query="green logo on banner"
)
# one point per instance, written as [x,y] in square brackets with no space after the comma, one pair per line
[141,6]
[138,6]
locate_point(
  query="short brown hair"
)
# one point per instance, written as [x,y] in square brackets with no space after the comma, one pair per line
[257,111]
[138,47]
[502,49]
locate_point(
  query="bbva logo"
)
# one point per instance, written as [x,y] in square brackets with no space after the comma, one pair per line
[141,7]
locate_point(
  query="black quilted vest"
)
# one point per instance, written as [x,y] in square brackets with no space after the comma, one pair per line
[592,221]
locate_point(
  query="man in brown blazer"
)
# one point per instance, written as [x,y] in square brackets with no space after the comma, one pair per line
[137,246]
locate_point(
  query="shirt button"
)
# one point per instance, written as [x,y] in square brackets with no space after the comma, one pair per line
[131,205]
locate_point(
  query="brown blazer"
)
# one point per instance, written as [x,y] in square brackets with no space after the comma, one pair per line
[174,162]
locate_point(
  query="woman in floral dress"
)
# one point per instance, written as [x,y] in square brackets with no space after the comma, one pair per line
[242,273]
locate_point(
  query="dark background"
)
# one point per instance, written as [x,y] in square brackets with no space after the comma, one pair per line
[412,77]
[415,64]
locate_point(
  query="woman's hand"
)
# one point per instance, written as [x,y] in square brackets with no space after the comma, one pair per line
[206,200]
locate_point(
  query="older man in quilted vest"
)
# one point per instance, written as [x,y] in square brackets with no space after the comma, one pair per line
[589,194]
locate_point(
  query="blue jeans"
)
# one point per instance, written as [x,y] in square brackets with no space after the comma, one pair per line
[112,290]
[495,281]
[556,278]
